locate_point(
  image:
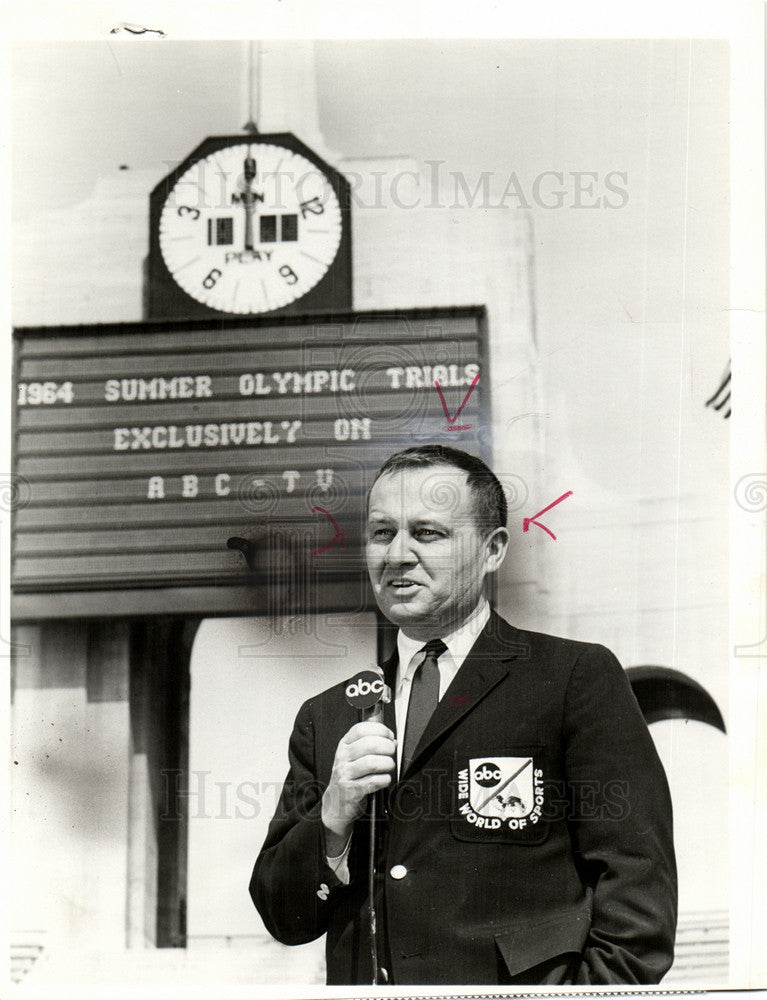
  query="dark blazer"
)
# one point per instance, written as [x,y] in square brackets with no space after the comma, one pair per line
[531,834]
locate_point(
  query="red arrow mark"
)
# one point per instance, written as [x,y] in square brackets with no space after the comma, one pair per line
[338,537]
[527,521]
[451,426]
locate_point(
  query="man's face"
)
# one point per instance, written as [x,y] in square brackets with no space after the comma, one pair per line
[426,558]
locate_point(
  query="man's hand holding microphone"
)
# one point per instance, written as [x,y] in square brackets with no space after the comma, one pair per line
[364,761]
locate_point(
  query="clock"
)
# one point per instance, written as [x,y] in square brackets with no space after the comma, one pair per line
[249,225]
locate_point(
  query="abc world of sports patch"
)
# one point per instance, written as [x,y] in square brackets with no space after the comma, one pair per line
[500,799]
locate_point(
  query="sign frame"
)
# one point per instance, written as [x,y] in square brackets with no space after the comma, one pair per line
[343,589]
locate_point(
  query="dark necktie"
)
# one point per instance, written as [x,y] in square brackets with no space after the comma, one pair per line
[424,695]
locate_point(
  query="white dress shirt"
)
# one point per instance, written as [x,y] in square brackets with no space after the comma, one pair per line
[458,645]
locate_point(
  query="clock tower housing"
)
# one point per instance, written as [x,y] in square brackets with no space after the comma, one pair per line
[249,225]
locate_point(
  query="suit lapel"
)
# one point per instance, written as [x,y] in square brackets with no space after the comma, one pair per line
[484,667]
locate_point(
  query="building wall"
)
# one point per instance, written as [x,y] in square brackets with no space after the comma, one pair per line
[71,748]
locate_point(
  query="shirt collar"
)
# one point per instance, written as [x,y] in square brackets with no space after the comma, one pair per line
[458,642]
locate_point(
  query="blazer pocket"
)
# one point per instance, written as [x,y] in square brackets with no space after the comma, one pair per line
[499,796]
[552,943]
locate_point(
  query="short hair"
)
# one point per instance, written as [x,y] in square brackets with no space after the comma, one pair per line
[489,501]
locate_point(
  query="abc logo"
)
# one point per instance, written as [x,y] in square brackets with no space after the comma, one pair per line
[364,690]
[361,688]
[487,774]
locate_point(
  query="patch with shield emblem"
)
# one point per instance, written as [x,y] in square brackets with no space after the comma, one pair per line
[500,798]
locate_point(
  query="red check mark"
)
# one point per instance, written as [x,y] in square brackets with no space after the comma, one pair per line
[338,537]
[527,521]
[451,425]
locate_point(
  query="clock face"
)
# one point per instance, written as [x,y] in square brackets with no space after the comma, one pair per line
[250,228]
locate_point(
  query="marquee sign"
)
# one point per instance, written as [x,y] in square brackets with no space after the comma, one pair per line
[144,448]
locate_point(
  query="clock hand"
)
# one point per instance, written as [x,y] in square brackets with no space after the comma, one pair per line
[249,199]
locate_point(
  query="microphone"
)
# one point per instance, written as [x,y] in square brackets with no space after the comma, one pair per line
[368,693]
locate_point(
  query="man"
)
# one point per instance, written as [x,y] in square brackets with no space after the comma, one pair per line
[525,824]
